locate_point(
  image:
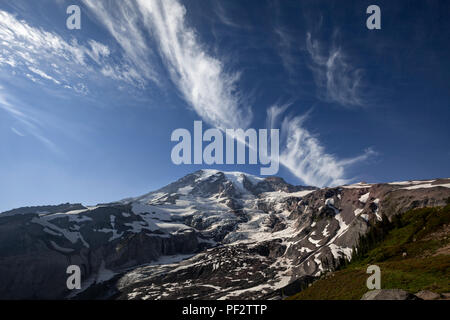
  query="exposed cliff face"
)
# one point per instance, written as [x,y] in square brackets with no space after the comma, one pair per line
[247,237]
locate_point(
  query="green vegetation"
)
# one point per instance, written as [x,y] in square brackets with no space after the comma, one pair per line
[412,251]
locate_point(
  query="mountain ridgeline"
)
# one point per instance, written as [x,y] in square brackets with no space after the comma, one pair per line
[209,235]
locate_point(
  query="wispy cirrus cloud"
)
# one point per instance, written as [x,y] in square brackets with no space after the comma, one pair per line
[226,18]
[202,79]
[274,114]
[19,133]
[42,74]
[51,62]
[286,46]
[30,124]
[305,156]
[338,80]
[44,56]
[123,22]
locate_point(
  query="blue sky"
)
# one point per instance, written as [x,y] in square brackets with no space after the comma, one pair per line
[86,115]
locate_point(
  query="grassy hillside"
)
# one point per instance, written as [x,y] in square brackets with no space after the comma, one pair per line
[413,252]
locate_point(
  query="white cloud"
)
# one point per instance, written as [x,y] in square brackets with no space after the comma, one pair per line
[7,106]
[20,134]
[122,21]
[42,74]
[98,51]
[24,47]
[286,43]
[226,18]
[32,125]
[274,113]
[202,79]
[334,73]
[304,155]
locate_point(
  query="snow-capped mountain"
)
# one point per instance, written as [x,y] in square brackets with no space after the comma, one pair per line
[209,235]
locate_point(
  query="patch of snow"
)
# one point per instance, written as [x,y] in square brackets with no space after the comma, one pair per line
[237,178]
[426,186]
[115,234]
[236,293]
[74,215]
[342,227]
[61,249]
[318,262]
[305,249]
[325,231]
[112,219]
[278,196]
[315,242]
[73,237]
[216,266]
[172,227]
[403,183]
[359,185]
[300,194]
[338,251]
[211,286]
[185,190]
[365,217]
[364,197]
